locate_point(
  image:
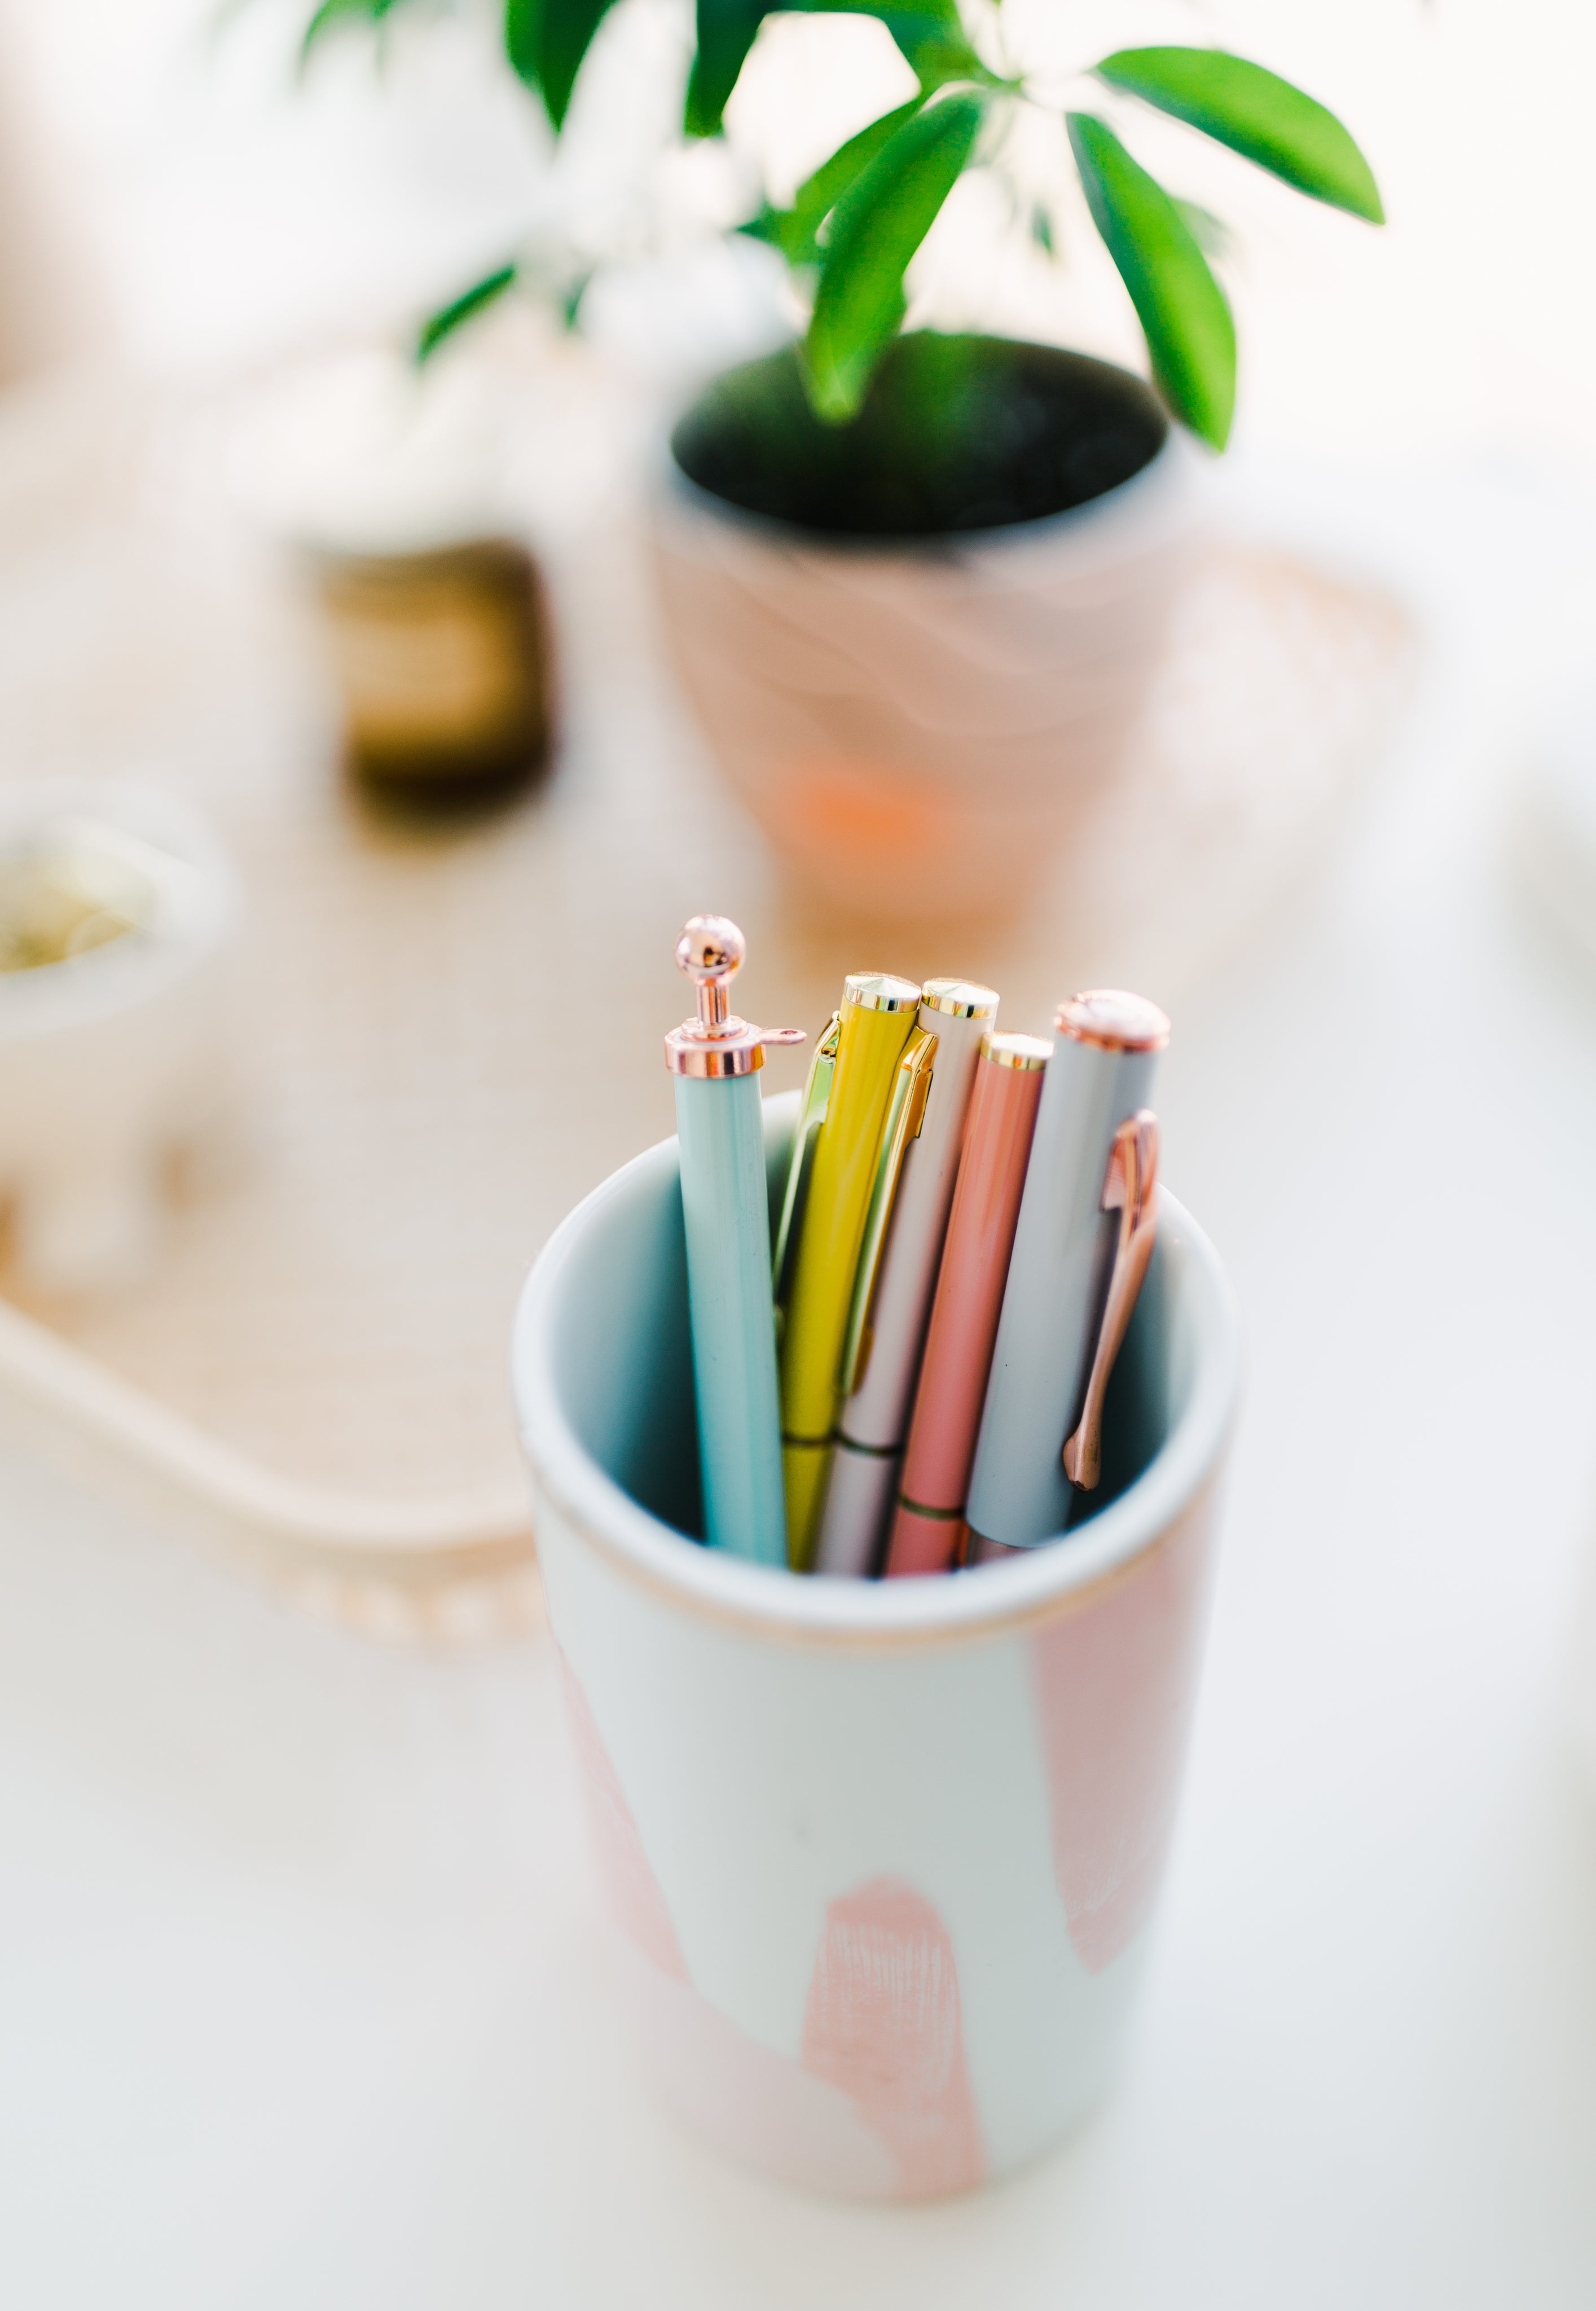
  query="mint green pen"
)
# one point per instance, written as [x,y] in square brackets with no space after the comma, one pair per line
[715,1059]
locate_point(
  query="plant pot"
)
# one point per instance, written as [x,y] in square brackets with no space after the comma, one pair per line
[919,643]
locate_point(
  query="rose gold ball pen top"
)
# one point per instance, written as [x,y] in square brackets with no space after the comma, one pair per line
[1111,1020]
[710,950]
[716,1042]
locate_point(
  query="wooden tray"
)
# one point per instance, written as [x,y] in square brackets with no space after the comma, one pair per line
[445,1038]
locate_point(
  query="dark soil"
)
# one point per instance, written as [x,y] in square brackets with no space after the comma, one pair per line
[957,434]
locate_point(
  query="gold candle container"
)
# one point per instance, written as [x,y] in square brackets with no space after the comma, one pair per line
[444,659]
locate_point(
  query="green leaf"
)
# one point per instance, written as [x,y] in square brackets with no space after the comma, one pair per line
[778,227]
[445,323]
[726,30]
[819,194]
[1190,335]
[333,12]
[1255,113]
[1210,233]
[876,226]
[795,231]
[546,42]
[523,21]
[566,30]
[929,33]
[935,45]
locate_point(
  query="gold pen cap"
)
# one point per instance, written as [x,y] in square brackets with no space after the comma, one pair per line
[880,990]
[1022,1052]
[960,998]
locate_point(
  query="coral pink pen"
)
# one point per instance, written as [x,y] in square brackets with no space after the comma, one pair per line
[928,1525]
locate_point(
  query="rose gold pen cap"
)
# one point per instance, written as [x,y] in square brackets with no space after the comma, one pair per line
[716,1042]
[1113,1021]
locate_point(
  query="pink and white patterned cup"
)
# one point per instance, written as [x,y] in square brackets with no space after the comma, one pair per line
[882,1856]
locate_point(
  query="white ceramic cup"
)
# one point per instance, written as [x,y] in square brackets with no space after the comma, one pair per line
[883,1856]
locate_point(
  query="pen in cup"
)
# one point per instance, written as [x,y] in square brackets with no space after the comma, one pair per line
[831,1176]
[715,1060]
[928,1524]
[1081,1247]
[904,1231]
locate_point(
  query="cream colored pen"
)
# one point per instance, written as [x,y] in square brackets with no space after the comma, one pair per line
[897,1273]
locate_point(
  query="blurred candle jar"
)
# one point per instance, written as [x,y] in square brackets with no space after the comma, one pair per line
[442,659]
[116,912]
[388,478]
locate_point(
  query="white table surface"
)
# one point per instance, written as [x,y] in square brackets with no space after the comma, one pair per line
[300,2000]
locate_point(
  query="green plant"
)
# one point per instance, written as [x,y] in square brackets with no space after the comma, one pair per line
[854,226]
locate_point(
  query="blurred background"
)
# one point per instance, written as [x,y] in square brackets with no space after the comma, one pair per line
[297,1983]
[178,202]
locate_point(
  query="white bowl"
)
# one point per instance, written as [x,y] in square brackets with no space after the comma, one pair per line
[110,1059]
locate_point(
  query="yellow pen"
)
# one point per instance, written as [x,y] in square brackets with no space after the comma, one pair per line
[814,1280]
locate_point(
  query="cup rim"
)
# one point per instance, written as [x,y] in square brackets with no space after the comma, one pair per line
[833,1612]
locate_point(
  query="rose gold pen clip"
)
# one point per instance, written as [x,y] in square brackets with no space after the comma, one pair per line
[1130,1188]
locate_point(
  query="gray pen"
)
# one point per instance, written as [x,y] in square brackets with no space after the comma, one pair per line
[1080,1252]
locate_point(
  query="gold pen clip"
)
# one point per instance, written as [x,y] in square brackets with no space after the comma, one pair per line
[817,1092]
[905,1113]
[1131,1189]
